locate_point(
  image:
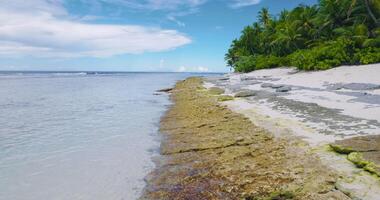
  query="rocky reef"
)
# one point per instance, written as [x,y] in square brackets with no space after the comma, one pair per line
[210,152]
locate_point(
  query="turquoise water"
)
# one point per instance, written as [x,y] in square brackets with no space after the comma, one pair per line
[79,135]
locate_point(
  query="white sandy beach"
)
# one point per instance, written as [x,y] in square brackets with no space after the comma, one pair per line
[341,102]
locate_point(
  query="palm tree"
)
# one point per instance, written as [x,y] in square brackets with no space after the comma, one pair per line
[264,17]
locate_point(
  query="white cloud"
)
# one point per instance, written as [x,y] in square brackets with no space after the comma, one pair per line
[193,69]
[243,3]
[202,69]
[182,69]
[43,28]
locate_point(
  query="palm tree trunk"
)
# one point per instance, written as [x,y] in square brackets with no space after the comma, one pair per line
[367,4]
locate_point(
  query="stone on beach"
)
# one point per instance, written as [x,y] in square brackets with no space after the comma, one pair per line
[363,151]
[361,86]
[284,89]
[165,90]
[277,86]
[245,93]
[267,85]
[225,98]
[358,144]
[354,86]
[216,90]
[247,78]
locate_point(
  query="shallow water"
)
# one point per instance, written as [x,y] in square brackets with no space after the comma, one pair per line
[79,136]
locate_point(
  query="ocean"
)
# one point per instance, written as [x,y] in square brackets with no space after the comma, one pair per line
[69,135]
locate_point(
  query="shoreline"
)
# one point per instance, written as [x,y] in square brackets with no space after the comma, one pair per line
[211,152]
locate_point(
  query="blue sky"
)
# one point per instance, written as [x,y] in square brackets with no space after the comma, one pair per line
[125,35]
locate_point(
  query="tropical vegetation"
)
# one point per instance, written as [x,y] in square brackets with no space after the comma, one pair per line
[322,36]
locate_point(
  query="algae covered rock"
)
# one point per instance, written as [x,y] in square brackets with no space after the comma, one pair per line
[363,151]
[216,90]
[225,98]
[245,93]
[357,144]
[369,161]
[341,149]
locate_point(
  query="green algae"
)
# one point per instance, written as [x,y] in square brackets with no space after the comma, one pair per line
[360,151]
[216,91]
[358,159]
[225,98]
[341,149]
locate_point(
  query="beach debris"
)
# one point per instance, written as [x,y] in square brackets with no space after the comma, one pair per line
[216,90]
[165,90]
[245,93]
[284,89]
[363,151]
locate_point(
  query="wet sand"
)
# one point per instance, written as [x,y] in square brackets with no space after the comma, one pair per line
[210,152]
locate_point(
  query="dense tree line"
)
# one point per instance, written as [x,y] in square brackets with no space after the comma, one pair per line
[329,34]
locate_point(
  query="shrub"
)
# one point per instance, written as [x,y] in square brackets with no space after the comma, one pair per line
[367,55]
[250,63]
[264,62]
[325,56]
[245,64]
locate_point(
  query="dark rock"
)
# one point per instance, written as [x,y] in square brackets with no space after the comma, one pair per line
[361,86]
[277,86]
[266,85]
[165,90]
[354,86]
[336,86]
[224,79]
[245,93]
[247,78]
[284,89]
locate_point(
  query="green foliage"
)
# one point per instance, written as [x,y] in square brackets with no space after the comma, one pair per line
[325,56]
[251,63]
[270,61]
[245,64]
[368,55]
[317,37]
